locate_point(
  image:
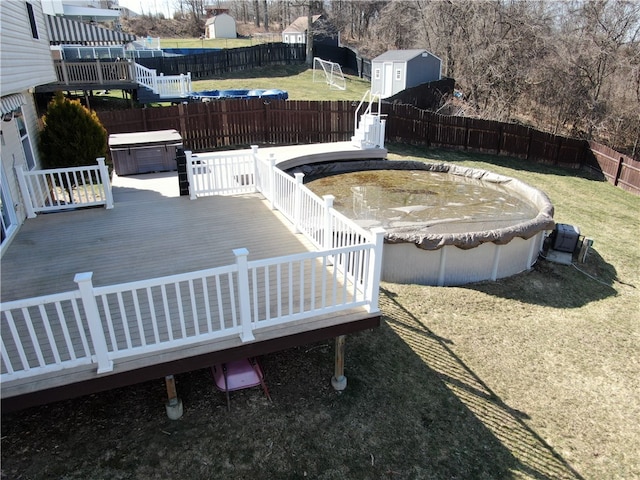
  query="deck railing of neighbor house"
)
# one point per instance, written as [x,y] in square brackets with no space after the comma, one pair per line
[98,72]
[97,325]
[65,188]
[170,86]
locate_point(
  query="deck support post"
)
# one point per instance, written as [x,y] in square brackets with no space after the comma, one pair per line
[98,339]
[174,404]
[339,381]
[106,184]
[244,300]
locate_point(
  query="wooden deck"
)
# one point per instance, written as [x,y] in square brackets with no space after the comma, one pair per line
[153,232]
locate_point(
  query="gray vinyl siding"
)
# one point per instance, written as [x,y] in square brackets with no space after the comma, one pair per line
[13,154]
[24,61]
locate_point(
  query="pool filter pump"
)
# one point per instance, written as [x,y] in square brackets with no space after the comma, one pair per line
[564,243]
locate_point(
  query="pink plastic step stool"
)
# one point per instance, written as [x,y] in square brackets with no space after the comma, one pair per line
[238,374]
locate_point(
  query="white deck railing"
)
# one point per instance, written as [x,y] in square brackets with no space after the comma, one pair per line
[170,86]
[65,188]
[97,325]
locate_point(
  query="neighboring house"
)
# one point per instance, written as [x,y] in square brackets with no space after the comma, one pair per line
[324,33]
[84,11]
[25,62]
[221,25]
[397,70]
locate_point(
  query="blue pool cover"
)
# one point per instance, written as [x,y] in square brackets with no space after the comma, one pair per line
[274,94]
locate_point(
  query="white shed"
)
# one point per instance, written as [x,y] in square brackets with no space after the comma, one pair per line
[397,70]
[222,25]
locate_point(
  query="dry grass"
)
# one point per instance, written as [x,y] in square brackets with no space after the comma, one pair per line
[535,376]
[296,80]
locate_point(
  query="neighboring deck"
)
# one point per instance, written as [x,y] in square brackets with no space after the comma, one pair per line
[153,232]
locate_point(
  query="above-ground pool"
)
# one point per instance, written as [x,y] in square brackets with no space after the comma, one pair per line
[208,95]
[445,224]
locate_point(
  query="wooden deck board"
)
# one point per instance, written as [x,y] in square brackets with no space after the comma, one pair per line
[146,235]
[152,232]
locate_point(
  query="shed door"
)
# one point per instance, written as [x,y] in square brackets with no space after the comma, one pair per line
[387,80]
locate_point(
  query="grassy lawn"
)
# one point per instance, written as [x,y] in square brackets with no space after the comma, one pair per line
[217,42]
[534,376]
[297,80]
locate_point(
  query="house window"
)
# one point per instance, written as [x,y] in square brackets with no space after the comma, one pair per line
[32,21]
[299,38]
[24,138]
[376,74]
[8,218]
[398,74]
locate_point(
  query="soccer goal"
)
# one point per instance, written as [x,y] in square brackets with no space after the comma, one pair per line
[329,72]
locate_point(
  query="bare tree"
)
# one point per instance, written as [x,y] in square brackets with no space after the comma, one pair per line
[265,7]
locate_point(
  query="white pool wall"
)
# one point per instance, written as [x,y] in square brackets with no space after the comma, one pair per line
[450,265]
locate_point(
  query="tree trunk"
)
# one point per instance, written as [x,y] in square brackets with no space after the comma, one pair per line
[256,8]
[266,15]
[309,36]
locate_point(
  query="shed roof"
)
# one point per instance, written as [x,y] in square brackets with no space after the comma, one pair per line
[300,24]
[217,18]
[400,55]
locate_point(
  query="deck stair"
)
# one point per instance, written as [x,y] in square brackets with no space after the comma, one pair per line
[370,125]
[161,88]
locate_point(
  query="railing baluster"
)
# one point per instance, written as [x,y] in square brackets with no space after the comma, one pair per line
[47,328]
[220,303]
[34,338]
[83,336]
[110,326]
[136,307]
[207,303]
[5,358]
[180,310]
[194,309]
[65,331]
[17,341]
[167,314]
[152,312]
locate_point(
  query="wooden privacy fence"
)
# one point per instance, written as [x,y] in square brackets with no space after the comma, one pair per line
[218,62]
[230,123]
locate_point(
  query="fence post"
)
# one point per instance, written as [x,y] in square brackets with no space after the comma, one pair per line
[192,186]
[106,184]
[618,171]
[297,205]
[26,194]
[98,340]
[244,299]
[375,269]
[272,180]
[327,238]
